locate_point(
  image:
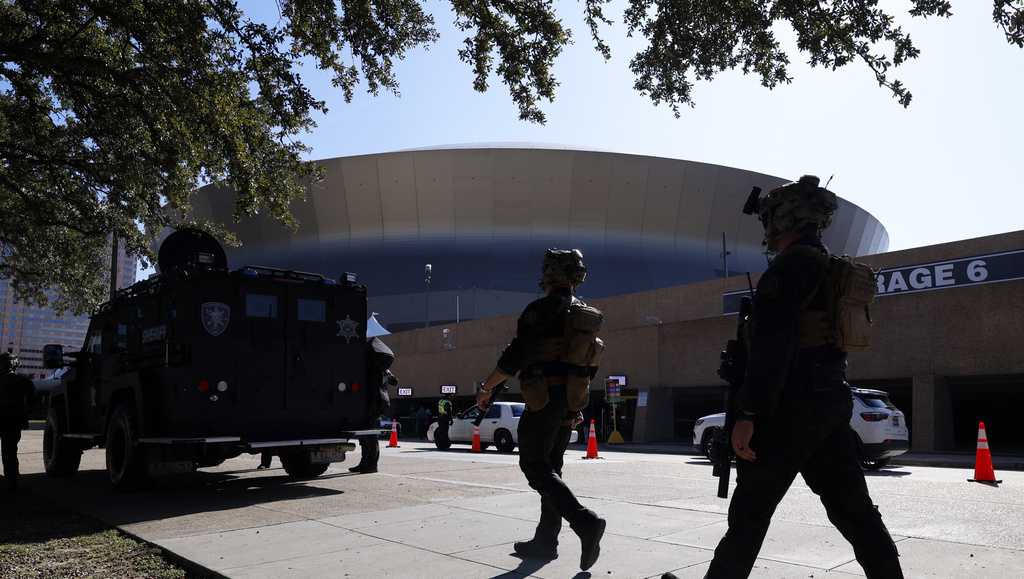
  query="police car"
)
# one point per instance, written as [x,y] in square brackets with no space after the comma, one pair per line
[881,429]
[499,427]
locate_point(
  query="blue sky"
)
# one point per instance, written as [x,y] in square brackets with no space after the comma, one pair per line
[949,167]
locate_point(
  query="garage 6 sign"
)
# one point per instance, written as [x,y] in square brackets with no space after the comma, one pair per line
[967,271]
[982,269]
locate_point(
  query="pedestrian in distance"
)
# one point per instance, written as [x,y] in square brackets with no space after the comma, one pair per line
[555,354]
[445,411]
[792,411]
[265,459]
[15,398]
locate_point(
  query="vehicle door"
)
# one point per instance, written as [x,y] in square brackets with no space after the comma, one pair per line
[462,427]
[310,343]
[261,356]
[492,421]
[82,383]
[343,357]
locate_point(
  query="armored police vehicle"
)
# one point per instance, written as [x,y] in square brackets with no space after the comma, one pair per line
[199,364]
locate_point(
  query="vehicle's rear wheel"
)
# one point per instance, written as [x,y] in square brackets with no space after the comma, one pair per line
[299,466]
[707,443]
[503,440]
[126,460]
[61,456]
[874,464]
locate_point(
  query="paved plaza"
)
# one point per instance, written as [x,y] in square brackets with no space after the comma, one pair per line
[455,514]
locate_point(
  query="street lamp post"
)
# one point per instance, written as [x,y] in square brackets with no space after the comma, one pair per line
[427,269]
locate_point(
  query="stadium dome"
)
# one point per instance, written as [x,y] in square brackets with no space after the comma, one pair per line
[482,216]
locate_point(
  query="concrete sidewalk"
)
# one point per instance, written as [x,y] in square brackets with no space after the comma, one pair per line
[456,514]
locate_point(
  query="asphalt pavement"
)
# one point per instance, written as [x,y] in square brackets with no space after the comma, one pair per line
[431,513]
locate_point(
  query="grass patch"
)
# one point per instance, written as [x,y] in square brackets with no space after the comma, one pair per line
[38,539]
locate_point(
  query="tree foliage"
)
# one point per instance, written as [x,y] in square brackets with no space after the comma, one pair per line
[113,111]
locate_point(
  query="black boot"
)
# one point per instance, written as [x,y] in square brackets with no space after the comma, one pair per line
[363,469]
[590,534]
[668,576]
[537,549]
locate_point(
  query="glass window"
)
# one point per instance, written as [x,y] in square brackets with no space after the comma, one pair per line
[472,413]
[260,306]
[94,344]
[518,409]
[876,401]
[312,310]
[122,338]
[494,412]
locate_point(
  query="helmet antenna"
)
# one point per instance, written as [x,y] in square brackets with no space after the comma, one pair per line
[829,180]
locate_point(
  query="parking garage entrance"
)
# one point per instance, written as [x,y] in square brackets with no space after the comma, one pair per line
[994,400]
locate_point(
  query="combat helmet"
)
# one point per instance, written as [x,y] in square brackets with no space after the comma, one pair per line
[800,206]
[563,268]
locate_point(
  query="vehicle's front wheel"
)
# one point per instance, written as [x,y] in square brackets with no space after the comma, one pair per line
[503,440]
[126,460]
[61,456]
[707,443]
[299,466]
[874,464]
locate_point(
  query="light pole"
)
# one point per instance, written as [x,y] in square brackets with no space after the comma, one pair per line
[426,277]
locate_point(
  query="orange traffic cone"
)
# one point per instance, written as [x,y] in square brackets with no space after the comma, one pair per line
[476,439]
[393,443]
[592,442]
[983,471]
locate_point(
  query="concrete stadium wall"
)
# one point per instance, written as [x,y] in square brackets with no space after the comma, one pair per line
[670,339]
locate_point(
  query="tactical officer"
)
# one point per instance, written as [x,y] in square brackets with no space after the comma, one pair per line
[555,353]
[444,417]
[794,408]
[378,373]
[15,397]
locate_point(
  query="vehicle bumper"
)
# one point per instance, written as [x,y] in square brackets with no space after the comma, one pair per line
[885,449]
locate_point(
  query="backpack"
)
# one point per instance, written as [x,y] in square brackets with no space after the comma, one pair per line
[849,288]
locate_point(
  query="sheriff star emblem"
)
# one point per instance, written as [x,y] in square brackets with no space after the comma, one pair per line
[348,329]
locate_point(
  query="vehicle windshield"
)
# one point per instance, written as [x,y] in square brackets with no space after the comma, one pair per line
[876,401]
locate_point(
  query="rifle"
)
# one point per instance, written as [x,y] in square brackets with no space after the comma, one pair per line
[732,368]
[495,395]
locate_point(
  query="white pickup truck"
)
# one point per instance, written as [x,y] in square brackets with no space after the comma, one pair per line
[499,427]
[881,429]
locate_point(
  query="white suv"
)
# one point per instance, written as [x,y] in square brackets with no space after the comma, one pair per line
[881,429]
[500,427]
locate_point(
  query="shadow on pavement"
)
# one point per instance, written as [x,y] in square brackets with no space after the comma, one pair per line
[890,473]
[89,491]
[525,568]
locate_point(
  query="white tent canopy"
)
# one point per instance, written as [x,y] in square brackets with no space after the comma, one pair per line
[374,328]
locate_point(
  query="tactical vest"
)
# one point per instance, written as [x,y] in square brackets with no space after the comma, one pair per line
[579,348]
[838,312]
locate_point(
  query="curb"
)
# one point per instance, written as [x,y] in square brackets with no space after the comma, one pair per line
[1015,463]
[191,568]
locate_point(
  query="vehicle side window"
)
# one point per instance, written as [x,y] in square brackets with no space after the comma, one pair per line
[260,306]
[494,412]
[471,413]
[94,343]
[312,310]
[518,409]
